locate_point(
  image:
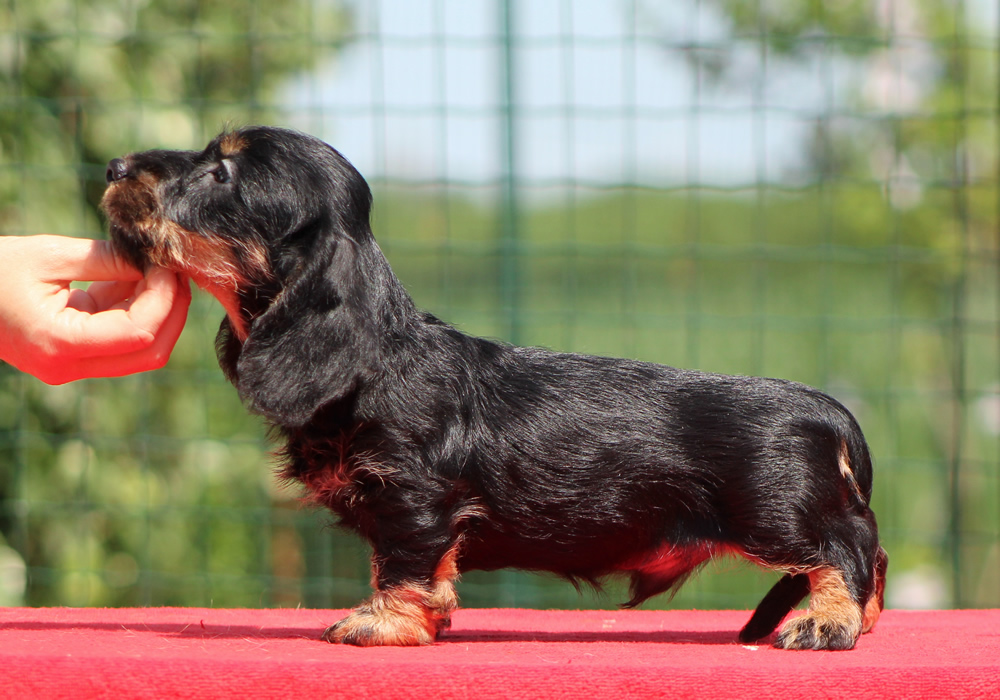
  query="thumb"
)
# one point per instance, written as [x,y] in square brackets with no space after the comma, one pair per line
[157,296]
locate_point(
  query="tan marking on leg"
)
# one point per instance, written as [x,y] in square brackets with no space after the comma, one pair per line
[831,600]
[873,609]
[405,615]
[443,599]
[396,617]
[833,621]
[872,612]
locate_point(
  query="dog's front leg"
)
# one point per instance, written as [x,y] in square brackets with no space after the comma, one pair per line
[398,616]
[410,607]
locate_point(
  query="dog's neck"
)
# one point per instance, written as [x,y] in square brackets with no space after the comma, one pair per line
[241,307]
[230,302]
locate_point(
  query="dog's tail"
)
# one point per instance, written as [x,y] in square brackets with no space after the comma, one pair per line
[854,460]
[855,463]
[844,444]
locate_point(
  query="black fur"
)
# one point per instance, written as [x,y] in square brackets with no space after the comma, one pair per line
[440,448]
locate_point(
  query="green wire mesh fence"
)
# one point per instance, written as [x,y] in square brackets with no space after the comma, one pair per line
[795,189]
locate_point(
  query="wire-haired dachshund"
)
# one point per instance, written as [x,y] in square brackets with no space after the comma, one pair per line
[448,452]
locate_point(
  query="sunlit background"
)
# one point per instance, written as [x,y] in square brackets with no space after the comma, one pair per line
[789,188]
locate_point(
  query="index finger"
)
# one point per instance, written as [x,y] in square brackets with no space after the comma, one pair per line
[68,259]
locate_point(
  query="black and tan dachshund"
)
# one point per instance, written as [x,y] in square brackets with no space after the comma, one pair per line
[448,452]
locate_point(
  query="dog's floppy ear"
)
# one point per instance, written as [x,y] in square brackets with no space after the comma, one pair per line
[311,346]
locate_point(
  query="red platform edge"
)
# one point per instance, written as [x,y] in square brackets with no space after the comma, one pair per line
[488,653]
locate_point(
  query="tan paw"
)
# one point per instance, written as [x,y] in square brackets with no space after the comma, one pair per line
[364,629]
[816,631]
[398,617]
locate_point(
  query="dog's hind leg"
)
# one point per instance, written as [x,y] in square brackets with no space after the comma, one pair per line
[845,593]
[787,593]
[873,609]
[443,599]
[834,618]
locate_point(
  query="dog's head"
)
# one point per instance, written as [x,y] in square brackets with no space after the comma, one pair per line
[275,224]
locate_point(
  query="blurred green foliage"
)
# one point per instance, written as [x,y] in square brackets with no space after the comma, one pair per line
[872,275]
[87,80]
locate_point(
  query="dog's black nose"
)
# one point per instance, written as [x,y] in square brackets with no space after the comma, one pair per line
[117,170]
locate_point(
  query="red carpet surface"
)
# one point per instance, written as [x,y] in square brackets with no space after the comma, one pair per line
[198,653]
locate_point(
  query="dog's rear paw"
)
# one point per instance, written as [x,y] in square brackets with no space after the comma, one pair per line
[820,632]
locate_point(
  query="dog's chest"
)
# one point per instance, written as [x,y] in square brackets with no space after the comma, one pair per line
[334,473]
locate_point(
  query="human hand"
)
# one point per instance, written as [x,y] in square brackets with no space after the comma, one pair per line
[122,323]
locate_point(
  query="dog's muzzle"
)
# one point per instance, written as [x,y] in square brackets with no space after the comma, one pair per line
[117,170]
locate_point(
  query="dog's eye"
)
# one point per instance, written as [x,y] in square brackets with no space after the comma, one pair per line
[221,173]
